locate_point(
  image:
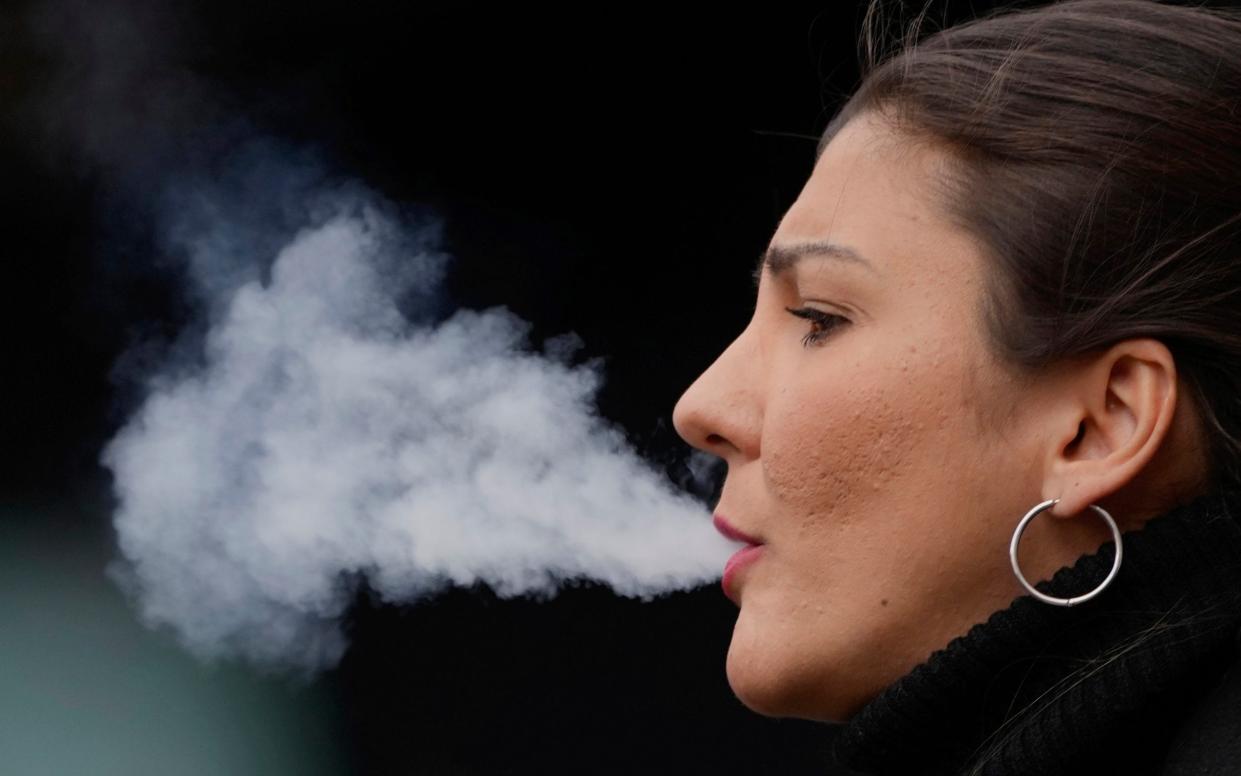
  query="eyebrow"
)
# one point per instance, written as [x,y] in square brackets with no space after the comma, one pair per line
[779,259]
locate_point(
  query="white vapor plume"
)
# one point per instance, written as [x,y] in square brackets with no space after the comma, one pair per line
[324,434]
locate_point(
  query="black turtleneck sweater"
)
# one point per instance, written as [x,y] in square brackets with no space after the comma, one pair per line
[1100,687]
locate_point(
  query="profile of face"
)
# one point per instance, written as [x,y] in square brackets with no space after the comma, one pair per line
[850,412]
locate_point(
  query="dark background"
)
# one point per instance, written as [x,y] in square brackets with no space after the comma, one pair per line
[608,170]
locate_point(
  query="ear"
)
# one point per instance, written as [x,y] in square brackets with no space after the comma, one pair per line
[1115,413]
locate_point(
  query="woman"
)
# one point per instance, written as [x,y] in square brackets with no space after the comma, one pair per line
[1009,288]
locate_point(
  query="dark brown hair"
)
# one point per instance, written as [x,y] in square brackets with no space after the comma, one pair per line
[1096,157]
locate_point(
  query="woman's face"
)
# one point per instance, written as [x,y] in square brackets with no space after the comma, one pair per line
[861,461]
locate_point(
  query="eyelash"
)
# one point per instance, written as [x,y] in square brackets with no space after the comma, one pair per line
[823,324]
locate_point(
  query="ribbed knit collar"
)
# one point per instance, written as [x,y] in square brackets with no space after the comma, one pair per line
[1178,591]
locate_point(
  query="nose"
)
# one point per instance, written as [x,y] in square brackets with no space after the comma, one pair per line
[721,412]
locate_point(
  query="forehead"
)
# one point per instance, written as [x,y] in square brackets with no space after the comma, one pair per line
[876,192]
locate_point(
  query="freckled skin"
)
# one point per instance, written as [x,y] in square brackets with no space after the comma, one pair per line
[885,505]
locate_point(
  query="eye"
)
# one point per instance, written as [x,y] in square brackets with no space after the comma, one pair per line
[822,324]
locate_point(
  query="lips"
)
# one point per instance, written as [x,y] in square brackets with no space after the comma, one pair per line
[740,559]
[723,527]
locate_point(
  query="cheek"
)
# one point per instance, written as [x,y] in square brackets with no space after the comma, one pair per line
[883,424]
[828,443]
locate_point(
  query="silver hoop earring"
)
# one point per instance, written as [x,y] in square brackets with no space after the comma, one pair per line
[1077,599]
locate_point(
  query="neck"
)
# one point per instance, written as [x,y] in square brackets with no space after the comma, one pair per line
[1039,688]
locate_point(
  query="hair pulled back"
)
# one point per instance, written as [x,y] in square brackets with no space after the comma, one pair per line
[1096,158]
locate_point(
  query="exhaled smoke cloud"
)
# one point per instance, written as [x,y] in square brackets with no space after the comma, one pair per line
[328,420]
[326,432]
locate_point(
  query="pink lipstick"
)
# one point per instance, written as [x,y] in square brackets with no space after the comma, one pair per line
[723,527]
[741,559]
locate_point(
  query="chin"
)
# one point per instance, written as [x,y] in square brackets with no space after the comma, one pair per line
[771,678]
[765,683]
[754,693]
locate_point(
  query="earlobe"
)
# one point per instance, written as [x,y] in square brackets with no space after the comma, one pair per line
[1122,404]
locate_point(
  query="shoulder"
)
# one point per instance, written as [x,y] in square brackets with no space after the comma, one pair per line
[1208,743]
